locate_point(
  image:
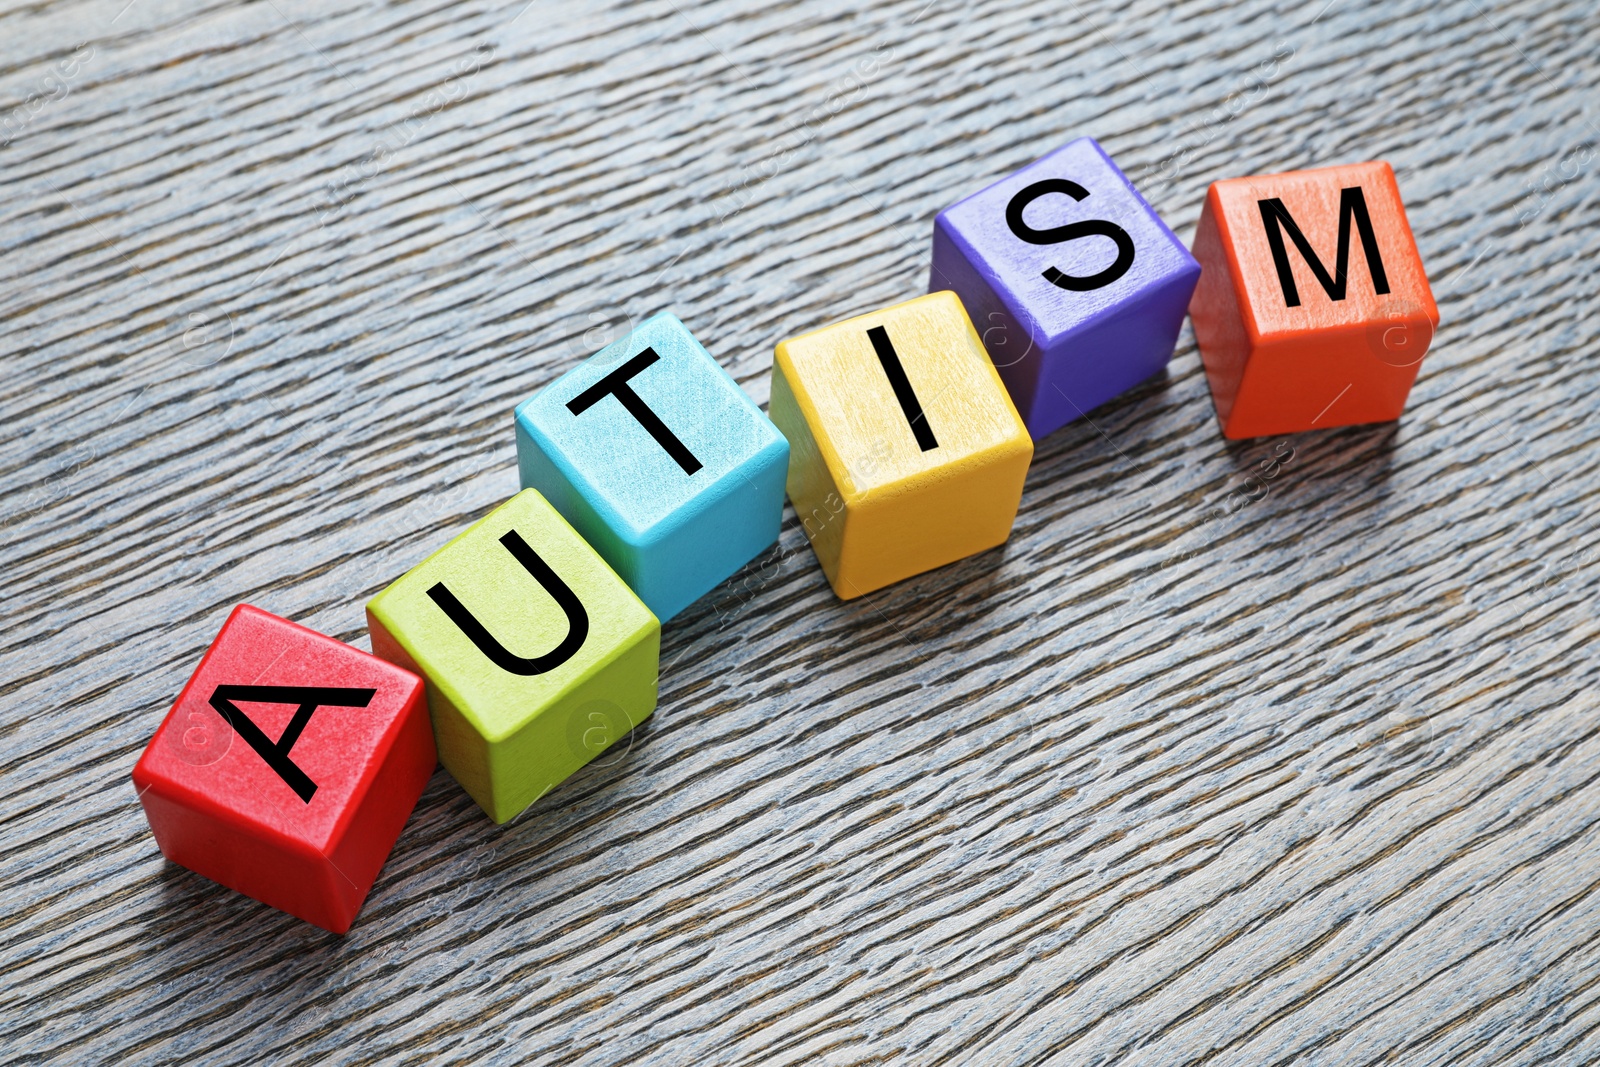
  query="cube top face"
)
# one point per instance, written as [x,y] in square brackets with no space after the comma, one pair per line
[279,727]
[900,394]
[1348,217]
[649,429]
[1065,240]
[521,574]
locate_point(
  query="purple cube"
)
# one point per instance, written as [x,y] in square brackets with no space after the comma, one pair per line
[1076,286]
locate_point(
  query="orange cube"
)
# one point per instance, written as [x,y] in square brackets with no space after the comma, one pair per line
[1313,308]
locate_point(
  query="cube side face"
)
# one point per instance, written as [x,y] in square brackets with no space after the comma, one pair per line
[1013,341]
[1112,353]
[1082,261]
[902,530]
[594,714]
[461,746]
[647,448]
[911,500]
[1220,329]
[809,480]
[279,873]
[365,843]
[1329,346]
[1316,383]
[717,534]
[540,466]
[273,771]
[505,622]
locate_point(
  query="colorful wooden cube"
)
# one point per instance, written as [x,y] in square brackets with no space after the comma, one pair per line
[906,451]
[1076,286]
[287,767]
[658,458]
[537,657]
[1313,308]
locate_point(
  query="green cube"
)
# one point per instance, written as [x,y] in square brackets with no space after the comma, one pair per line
[537,657]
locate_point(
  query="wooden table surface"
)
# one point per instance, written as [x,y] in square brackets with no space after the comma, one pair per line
[1196,769]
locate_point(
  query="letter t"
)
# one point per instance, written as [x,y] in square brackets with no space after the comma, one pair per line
[616,384]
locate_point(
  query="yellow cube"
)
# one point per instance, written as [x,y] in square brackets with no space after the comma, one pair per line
[906,452]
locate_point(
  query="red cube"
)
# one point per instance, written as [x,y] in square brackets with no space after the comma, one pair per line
[1313,308]
[287,767]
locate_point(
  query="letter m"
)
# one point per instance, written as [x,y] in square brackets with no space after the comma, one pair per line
[1352,205]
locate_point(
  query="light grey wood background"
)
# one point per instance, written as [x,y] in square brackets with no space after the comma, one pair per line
[1195,770]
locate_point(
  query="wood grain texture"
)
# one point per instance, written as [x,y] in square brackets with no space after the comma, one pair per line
[1195,770]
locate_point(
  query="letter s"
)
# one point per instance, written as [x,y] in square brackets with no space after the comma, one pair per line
[1070,232]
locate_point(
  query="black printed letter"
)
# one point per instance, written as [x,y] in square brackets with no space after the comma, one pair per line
[1352,205]
[902,388]
[1070,232]
[565,598]
[276,753]
[616,384]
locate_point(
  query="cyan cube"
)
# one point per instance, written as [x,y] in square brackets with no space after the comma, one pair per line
[1076,286]
[658,458]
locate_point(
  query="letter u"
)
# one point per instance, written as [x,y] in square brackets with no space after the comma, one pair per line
[565,598]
